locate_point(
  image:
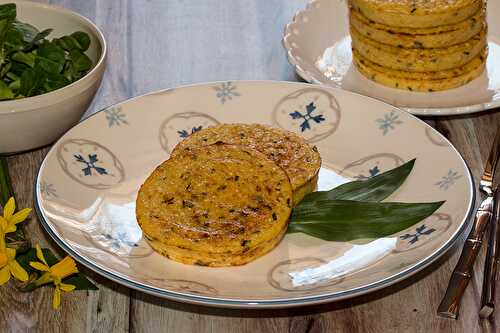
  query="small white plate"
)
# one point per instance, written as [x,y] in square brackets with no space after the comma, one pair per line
[319,46]
[87,186]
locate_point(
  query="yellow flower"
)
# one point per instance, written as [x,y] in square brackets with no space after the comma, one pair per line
[8,264]
[55,273]
[9,220]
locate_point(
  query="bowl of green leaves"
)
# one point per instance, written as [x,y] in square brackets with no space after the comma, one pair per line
[52,62]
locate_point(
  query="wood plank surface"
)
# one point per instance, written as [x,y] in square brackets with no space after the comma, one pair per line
[157,44]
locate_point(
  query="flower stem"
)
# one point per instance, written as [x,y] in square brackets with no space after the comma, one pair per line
[17,239]
[6,190]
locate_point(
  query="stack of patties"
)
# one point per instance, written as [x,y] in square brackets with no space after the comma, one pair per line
[225,195]
[419,45]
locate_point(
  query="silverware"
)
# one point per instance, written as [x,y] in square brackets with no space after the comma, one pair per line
[491,263]
[463,270]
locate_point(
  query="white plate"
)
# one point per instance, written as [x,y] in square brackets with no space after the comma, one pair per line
[87,185]
[319,46]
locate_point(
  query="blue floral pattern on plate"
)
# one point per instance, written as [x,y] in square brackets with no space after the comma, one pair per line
[180,125]
[371,173]
[120,240]
[423,230]
[371,165]
[313,113]
[48,189]
[307,117]
[184,134]
[90,164]
[115,116]
[226,91]
[388,122]
[431,229]
[448,180]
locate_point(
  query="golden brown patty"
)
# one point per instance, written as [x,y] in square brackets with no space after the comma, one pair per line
[418,60]
[425,82]
[416,13]
[217,205]
[441,36]
[294,154]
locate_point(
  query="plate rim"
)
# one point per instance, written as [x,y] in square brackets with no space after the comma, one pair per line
[311,78]
[254,304]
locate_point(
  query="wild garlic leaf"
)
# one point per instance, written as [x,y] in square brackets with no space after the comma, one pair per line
[375,189]
[344,220]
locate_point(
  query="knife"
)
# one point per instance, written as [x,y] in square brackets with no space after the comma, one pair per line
[492,261]
[462,273]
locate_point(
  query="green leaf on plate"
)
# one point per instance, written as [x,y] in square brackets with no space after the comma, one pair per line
[375,189]
[344,220]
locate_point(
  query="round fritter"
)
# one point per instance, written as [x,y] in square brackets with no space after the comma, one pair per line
[214,259]
[218,204]
[416,13]
[294,154]
[441,36]
[418,60]
[424,82]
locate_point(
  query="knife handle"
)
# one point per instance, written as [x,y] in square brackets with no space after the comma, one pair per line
[463,270]
[491,263]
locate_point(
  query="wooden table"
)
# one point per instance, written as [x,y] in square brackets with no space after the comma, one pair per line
[156,44]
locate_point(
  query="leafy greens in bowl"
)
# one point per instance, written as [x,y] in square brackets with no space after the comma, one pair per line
[49,75]
[30,64]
